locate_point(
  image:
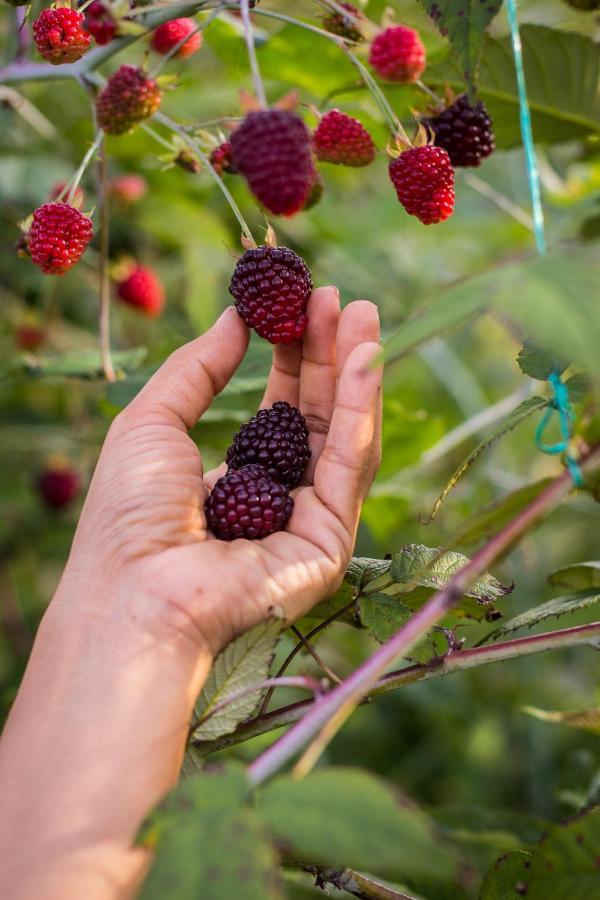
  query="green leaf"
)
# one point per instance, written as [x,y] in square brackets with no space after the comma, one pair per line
[561,70]
[243,663]
[463,22]
[360,570]
[538,363]
[382,615]
[558,606]
[578,575]
[504,881]
[519,414]
[207,844]
[346,817]
[492,518]
[84,363]
[588,719]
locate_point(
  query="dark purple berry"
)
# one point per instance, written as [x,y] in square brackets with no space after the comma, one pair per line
[247,503]
[275,438]
[464,131]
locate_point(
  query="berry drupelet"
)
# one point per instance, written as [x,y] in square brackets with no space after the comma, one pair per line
[343,140]
[59,35]
[424,181]
[271,287]
[58,236]
[275,438]
[271,149]
[169,34]
[398,54]
[464,131]
[247,503]
[128,98]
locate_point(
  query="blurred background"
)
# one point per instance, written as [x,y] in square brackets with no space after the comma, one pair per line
[453,743]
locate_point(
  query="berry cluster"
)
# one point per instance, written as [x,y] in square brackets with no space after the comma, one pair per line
[59,35]
[128,98]
[57,237]
[267,458]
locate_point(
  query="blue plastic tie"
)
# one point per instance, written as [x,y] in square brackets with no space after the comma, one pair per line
[560,402]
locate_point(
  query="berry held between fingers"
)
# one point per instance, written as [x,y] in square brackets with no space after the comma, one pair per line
[128,98]
[169,34]
[59,35]
[275,438]
[424,181]
[58,236]
[271,149]
[271,287]
[142,289]
[464,131]
[343,140]
[247,503]
[398,54]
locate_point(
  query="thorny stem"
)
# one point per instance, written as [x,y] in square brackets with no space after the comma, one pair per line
[299,646]
[259,88]
[195,146]
[298,681]
[459,661]
[104,316]
[327,715]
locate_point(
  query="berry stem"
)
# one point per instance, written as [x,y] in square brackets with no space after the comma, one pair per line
[195,146]
[328,714]
[427,90]
[104,312]
[259,88]
[71,187]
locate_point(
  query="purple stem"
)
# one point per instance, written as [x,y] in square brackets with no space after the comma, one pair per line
[354,688]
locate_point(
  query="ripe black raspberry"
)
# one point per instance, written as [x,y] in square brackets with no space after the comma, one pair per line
[271,149]
[247,503]
[464,131]
[128,98]
[271,287]
[275,438]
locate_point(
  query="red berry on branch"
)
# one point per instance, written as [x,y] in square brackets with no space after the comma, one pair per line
[275,438]
[271,287]
[343,140]
[128,98]
[142,289]
[59,35]
[169,34]
[247,503]
[100,23]
[271,149]
[398,54]
[464,131]
[424,181]
[128,188]
[29,337]
[58,236]
[221,159]
[58,484]
[344,26]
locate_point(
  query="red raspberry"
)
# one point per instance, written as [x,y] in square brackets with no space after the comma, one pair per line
[128,98]
[398,54]
[100,23]
[463,130]
[221,161]
[128,188]
[167,35]
[424,182]
[29,337]
[142,289]
[59,35]
[343,140]
[59,188]
[275,438]
[58,237]
[247,503]
[271,287]
[58,484]
[271,149]
[344,26]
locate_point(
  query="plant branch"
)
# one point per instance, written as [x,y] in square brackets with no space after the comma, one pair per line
[327,715]
[259,88]
[582,635]
[104,312]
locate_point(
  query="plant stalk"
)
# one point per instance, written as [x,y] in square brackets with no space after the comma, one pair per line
[104,312]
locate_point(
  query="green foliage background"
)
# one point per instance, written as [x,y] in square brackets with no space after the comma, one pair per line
[454,745]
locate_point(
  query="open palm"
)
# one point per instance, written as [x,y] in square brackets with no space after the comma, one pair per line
[144,521]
